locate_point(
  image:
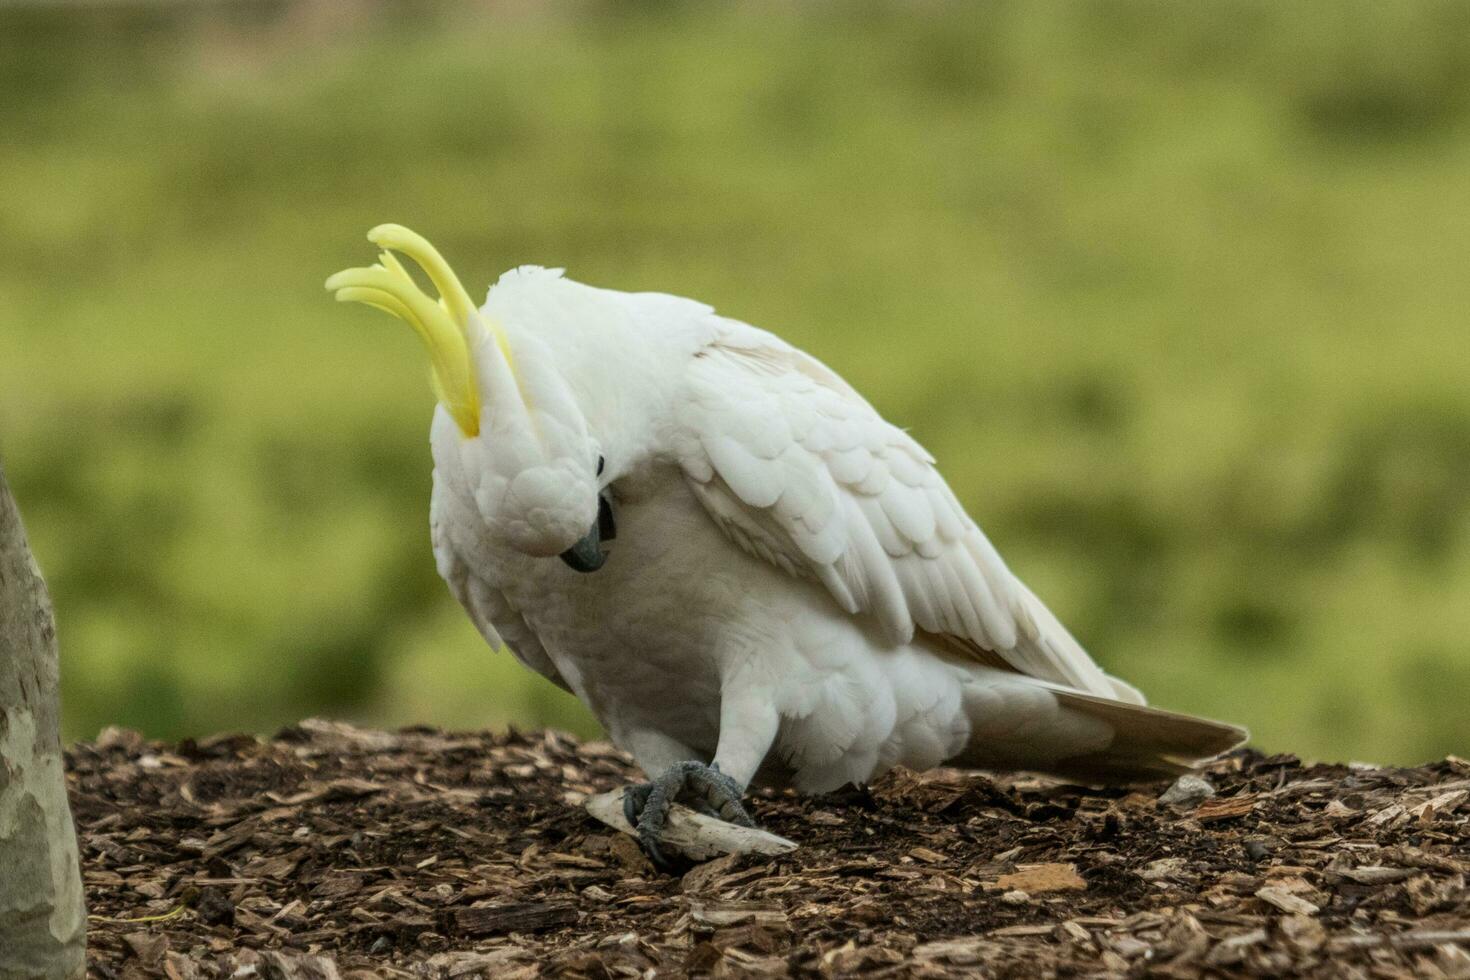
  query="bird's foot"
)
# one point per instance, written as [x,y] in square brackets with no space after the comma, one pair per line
[696,785]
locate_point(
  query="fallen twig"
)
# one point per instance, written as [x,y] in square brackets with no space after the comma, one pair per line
[692,834]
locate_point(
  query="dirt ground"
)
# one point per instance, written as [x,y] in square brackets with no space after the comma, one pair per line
[332,851]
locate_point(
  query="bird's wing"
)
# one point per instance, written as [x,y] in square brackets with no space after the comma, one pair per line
[800,470]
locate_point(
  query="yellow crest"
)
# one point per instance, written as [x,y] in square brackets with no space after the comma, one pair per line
[442,324]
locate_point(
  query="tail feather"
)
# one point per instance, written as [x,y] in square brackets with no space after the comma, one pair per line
[1124,691]
[1148,743]
[1026,724]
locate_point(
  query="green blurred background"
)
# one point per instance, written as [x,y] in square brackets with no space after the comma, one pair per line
[1175,292]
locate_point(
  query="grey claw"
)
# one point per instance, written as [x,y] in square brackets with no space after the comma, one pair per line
[634,799]
[702,787]
[721,796]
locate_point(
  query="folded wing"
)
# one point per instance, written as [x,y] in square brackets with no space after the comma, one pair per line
[801,471]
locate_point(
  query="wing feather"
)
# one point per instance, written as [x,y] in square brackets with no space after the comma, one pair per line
[800,471]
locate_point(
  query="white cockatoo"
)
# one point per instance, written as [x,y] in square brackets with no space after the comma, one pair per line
[719,546]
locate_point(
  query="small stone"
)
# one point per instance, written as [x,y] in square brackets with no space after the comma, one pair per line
[1016,897]
[1188,791]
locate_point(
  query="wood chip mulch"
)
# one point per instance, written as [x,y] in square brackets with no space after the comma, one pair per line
[336,852]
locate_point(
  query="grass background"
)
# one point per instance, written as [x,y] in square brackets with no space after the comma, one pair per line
[1175,292]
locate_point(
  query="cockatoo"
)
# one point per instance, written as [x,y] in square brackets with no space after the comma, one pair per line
[729,556]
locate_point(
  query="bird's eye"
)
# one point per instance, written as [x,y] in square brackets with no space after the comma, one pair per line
[600,463]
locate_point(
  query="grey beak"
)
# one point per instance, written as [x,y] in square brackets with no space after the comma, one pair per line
[586,555]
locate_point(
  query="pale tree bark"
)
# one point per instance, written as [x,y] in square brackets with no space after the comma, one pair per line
[42,919]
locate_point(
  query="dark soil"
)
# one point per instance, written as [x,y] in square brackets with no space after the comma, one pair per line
[332,851]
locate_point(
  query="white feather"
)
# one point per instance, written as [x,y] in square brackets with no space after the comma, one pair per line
[792,580]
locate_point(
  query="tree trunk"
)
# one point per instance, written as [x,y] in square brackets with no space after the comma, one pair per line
[42,918]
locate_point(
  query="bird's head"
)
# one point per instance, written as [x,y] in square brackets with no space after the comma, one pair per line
[506,414]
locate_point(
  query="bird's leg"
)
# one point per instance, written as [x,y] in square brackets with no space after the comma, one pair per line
[748,724]
[701,787]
